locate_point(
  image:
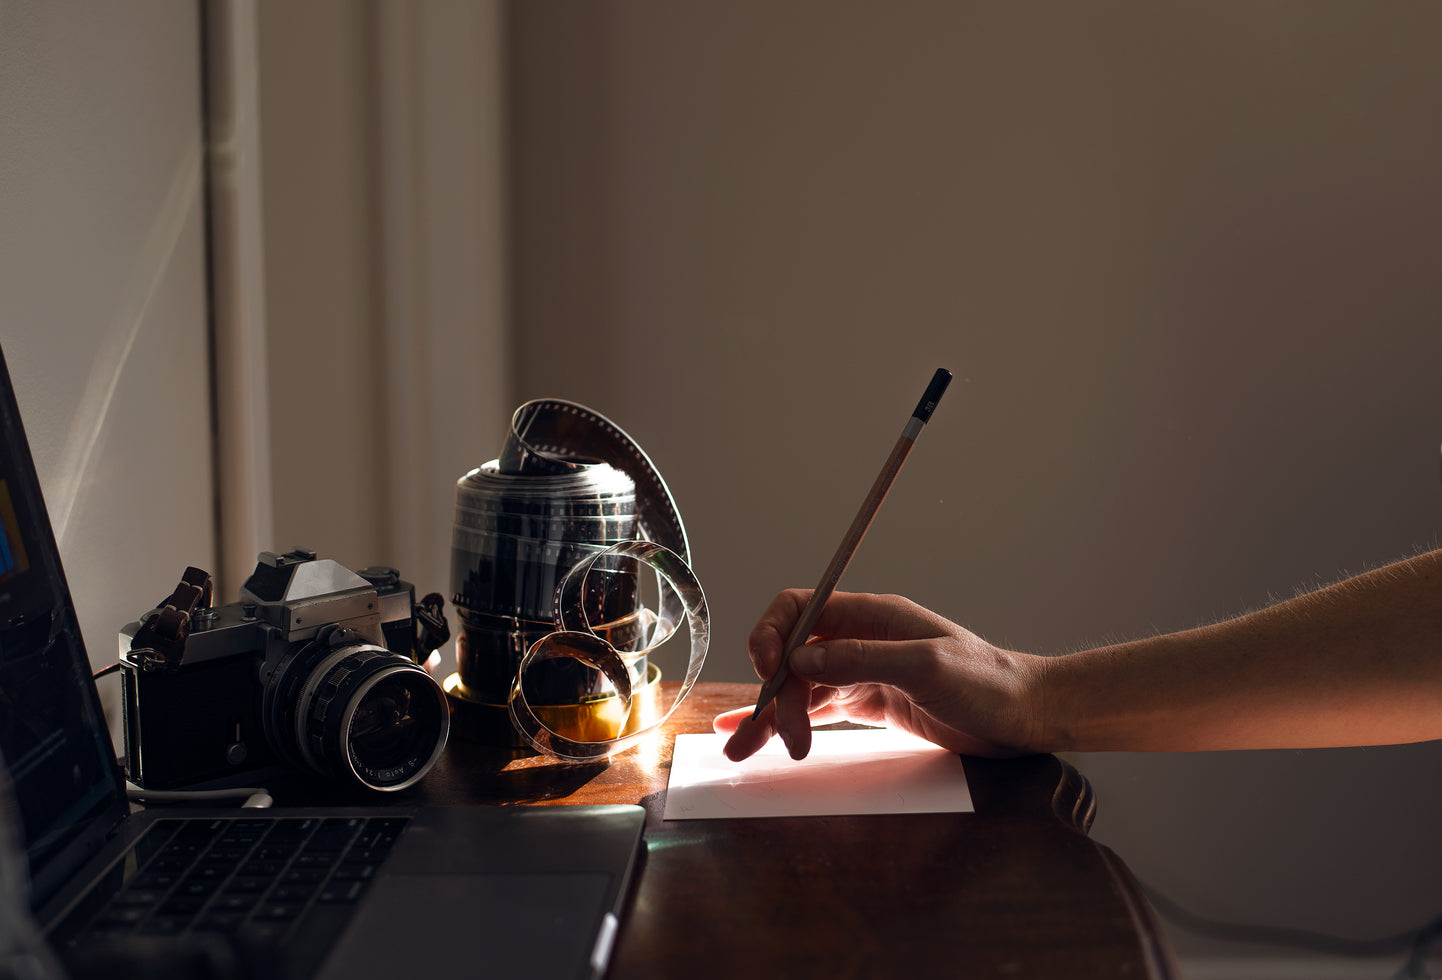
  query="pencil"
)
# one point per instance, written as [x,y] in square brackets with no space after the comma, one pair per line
[829,579]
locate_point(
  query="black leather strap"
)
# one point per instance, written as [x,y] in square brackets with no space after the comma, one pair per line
[164,630]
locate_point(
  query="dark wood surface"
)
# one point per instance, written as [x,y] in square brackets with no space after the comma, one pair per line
[1015,889]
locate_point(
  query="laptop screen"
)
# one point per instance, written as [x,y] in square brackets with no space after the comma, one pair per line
[68,788]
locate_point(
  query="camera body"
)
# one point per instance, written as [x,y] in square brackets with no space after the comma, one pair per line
[316,667]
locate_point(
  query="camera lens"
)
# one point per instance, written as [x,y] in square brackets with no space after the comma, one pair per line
[358,712]
[393,725]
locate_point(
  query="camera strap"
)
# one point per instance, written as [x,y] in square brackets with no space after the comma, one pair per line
[164,630]
[431,623]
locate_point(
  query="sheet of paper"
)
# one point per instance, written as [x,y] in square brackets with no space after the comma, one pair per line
[874,770]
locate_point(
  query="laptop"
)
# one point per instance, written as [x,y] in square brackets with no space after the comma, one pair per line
[327,892]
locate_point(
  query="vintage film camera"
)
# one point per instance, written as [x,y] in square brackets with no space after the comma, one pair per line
[316,668]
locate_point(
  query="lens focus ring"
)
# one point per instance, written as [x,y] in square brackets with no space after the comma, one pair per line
[372,716]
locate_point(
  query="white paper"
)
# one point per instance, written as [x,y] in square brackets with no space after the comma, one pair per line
[874,770]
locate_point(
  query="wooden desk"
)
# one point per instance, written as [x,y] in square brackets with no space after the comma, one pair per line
[1015,889]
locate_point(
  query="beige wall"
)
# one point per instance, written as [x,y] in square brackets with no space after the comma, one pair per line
[1183,260]
[103,294]
[327,399]
[385,271]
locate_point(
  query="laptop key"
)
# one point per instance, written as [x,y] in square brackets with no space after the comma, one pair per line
[291,893]
[316,859]
[138,896]
[155,879]
[275,851]
[262,868]
[181,905]
[211,872]
[248,885]
[342,892]
[219,921]
[113,917]
[352,872]
[169,862]
[165,925]
[198,889]
[234,903]
[265,932]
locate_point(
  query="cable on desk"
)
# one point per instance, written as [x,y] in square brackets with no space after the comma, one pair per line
[254,796]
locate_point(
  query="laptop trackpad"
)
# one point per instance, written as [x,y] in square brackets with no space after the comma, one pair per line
[531,924]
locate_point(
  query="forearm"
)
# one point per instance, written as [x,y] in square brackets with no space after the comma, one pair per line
[1357,663]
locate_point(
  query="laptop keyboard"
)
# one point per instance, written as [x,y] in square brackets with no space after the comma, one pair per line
[286,880]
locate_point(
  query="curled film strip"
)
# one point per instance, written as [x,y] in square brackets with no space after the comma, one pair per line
[552,438]
[577,638]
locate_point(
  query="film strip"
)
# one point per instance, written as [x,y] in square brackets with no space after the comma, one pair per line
[577,638]
[530,536]
[551,436]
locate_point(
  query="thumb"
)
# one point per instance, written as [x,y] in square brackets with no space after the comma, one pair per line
[839,663]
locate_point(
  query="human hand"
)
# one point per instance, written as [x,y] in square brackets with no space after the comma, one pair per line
[884,660]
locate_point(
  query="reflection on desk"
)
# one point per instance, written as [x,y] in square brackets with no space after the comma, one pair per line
[1015,889]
